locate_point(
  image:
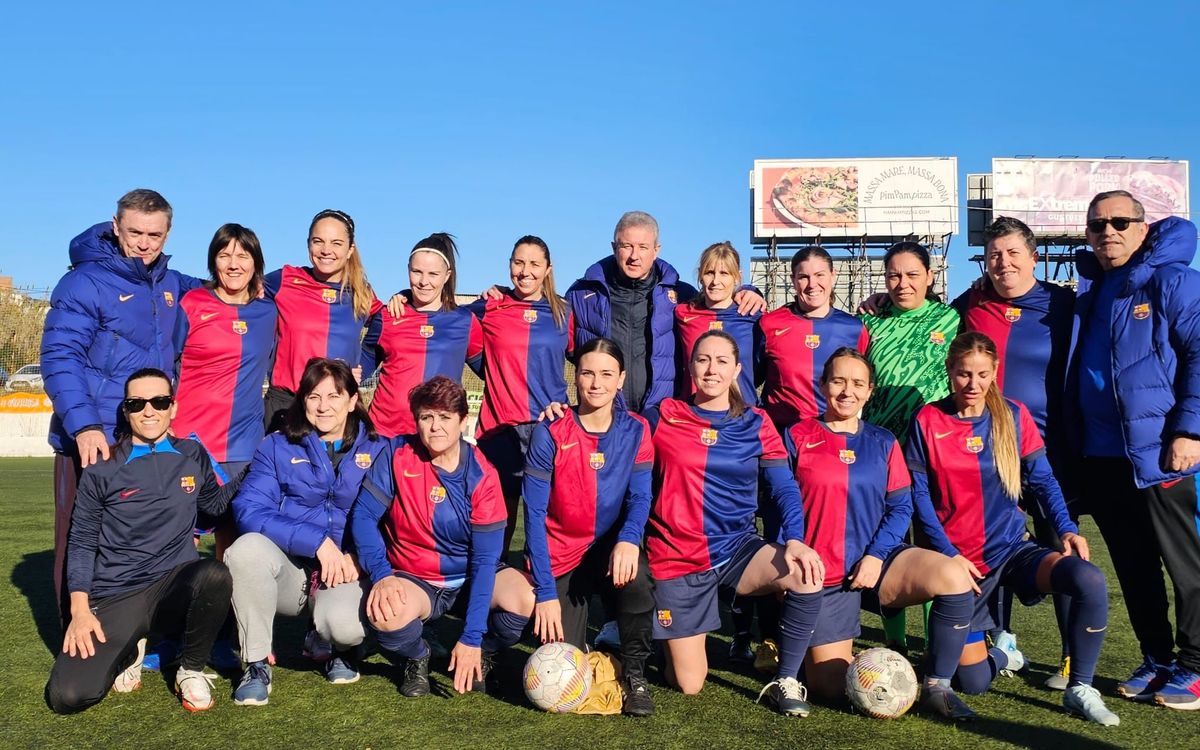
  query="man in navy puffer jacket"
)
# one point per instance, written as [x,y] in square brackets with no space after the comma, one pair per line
[111,315]
[1134,408]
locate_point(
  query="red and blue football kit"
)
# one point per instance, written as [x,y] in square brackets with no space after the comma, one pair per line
[414,348]
[957,494]
[225,351]
[692,320]
[577,486]
[524,353]
[856,491]
[315,320]
[442,527]
[795,348]
[706,472]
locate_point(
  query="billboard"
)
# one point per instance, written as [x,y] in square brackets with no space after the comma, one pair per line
[1052,195]
[877,199]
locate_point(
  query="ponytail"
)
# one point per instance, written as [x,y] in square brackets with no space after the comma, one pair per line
[354,282]
[1004,442]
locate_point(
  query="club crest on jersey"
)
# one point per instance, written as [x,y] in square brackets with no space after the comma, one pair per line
[716,325]
[362,460]
[529,316]
[329,295]
[664,618]
[812,340]
[188,484]
[974,443]
[437,494]
[671,295]
[170,299]
[1142,311]
[426,331]
[1012,314]
[846,456]
[708,436]
[239,327]
[937,337]
[596,461]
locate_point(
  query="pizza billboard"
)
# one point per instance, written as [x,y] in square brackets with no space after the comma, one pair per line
[875,199]
[1052,195]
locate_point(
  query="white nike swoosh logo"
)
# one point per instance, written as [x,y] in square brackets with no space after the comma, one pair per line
[206,316]
[589,294]
[962,627]
[565,446]
[411,476]
[125,297]
[940,435]
[1096,630]
[782,331]
[301,461]
[689,318]
[297,281]
[814,445]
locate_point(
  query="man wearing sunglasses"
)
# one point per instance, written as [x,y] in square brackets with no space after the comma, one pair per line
[1134,404]
[132,565]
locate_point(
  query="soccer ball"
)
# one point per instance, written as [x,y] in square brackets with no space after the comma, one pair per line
[881,683]
[557,678]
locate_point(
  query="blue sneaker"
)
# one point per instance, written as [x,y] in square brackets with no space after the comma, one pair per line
[341,669]
[255,687]
[1146,680]
[1007,643]
[223,657]
[162,654]
[1182,691]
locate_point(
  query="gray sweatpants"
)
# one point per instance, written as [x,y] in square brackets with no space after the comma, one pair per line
[266,582]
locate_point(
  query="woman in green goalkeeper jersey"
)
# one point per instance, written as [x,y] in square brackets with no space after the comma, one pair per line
[908,339]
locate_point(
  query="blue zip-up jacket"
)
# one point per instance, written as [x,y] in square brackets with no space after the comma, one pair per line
[109,317]
[293,495]
[1155,330]
[590,301]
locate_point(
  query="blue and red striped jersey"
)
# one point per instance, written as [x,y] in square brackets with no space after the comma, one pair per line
[1033,337]
[578,485]
[957,494]
[856,490]
[524,353]
[315,320]
[225,351]
[706,471]
[795,350]
[414,348]
[692,320]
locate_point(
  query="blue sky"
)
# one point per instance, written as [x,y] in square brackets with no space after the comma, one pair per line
[491,120]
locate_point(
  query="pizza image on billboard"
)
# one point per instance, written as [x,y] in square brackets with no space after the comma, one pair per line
[818,196]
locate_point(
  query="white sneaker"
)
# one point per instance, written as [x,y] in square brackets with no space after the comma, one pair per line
[1085,701]
[194,689]
[1007,642]
[608,637]
[131,678]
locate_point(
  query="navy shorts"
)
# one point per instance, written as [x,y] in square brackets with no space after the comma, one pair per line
[687,605]
[441,598]
[841,606]
[505,449]
[1019,574]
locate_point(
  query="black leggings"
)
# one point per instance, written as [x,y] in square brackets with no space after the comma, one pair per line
[192,599]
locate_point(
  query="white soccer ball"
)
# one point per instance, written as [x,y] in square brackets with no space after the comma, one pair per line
[881,683]
[557,678]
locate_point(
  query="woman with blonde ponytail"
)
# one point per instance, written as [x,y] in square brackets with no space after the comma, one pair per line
[969,455]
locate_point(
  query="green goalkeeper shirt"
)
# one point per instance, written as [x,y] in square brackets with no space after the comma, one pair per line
[908,349]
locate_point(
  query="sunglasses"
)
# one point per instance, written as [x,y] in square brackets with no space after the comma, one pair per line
[160,403]
[1120,223]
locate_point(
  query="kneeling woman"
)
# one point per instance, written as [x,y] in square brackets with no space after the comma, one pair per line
[857,506]
[970,454]
[710,453]
[291,513]
[429,527]
[587,496]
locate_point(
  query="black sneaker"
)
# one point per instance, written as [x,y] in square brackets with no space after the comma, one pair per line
[416,678]
[787,696]
[741,650]
[637,700]
[487,661]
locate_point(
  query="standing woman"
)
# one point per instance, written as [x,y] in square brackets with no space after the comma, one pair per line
[291,513]
[433,337]
[587,497]
[720,275]
[857,507]
[970,454]
[709,455]
[526,339]
[323,309]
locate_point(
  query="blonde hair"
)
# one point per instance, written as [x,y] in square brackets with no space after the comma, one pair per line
[1004,429]
[558,306]
[720,253]
[737,404]
[354,276]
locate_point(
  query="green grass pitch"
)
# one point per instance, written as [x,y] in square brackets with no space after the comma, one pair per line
[307,714]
